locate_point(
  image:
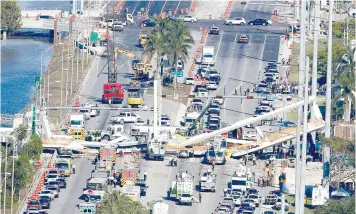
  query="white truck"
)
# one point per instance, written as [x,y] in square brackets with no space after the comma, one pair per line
[241,179]
[77,121]
[207,180]
[190,118]
[132,192]
[182,188]
[125,117]
[207,56]
[113,132]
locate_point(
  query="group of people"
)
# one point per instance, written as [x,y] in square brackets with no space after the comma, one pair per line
[173,162]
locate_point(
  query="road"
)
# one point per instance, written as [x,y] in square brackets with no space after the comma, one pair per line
[69,197]
[235,62]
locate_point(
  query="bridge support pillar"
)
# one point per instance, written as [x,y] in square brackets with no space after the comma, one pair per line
[55,32]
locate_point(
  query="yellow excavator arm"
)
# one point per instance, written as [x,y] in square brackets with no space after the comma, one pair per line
[129,54]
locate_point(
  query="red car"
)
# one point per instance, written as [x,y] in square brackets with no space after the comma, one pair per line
[34,204]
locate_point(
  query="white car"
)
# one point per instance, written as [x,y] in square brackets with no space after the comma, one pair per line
[52,177]
[218,100]
[188,18]
[211,85]
[180,65]
[48,193]
[255,198]
[212,73]
[235,21]
[189,81]
[203,92]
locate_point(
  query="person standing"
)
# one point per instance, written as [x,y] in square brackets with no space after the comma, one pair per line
[213,165]
[199,197]
[145,176]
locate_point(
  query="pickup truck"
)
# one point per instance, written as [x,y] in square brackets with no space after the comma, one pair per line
[125,117]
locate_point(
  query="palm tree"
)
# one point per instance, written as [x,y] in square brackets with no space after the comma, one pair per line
[116,203]
[179,44]
[156,44]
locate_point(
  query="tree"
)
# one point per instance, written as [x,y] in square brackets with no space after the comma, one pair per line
[342,206]
[179,44]
[21,132]
[10,16]
[116,203]
[23,172]
[342,164]
[34,148]
[172,38]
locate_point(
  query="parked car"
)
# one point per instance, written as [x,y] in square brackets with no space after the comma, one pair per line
[183,154]
[140,122]
[34,204]
[211,85]
[54,189]
[259,22]
[203,92]
[180,65]
[189,81]
[45,202]
[197,101]
[62,182]
[235,21]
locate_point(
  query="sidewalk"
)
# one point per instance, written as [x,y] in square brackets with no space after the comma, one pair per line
[61,86]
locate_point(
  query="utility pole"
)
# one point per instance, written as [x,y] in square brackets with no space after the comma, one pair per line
[328,75]
[155,105]
[5,174]
[315,55]
[14,155]
[300,110]
[326,155]
[305,133]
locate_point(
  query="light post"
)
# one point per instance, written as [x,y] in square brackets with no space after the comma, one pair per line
[6,173]
[13,174]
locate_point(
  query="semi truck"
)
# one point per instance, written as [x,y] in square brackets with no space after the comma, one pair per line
[207,57]
[182,188]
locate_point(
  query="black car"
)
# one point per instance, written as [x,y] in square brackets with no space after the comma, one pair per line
[259,22]
[197,87]
[148,23]
[269,80]
[214,31]
[215,79]
[62,182]
[45,202]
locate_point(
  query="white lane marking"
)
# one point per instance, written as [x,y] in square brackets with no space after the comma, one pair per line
[164,6]
[263,50]
[133,12]
[178,5]
[217,51]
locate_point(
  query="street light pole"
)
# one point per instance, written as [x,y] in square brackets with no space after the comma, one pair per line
[14,154]
[305,133]
[315,55]
[5,177]
[328,73]
[300,110]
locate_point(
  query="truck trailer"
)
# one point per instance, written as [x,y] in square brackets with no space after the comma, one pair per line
[182,188]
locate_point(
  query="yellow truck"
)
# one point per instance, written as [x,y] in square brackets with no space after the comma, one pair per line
[135,94]
[64,167]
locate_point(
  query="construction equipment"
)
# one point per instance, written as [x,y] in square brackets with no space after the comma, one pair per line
[113,93]
[142,71]
[135,94]
[127,53]
[129,176]
[142,39]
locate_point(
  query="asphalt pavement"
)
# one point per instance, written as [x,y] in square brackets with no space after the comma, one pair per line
[69,197]
[237,63]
